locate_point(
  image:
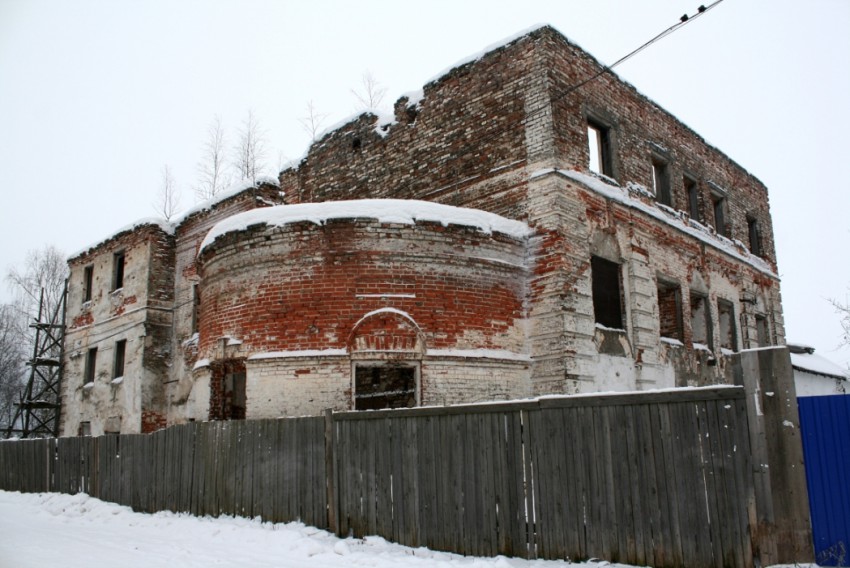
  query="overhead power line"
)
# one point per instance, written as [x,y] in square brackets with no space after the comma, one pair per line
[683,21]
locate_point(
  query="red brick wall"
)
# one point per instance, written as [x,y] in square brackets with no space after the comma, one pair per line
[305,287]
[641,129]
[474,106]
[471,138]
[152,421]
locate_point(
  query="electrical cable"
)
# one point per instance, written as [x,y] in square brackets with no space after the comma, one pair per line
[684,20]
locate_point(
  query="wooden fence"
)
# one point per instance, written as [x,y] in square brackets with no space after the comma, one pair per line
[661,479]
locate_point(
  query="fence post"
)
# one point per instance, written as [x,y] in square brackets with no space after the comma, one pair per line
[330,471]
[783,533]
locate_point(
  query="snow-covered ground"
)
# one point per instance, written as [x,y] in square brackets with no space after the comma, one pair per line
[52,529]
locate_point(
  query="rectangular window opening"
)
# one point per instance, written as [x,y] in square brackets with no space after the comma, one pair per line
[661,182]
[384,386]
[692,192]
[599,148]
[91,362]
[670,310]
[718,203]
[88,279]
[726,322]
[754,236]
[235,396]
[84,429]
[700,321]
[120,351]
[762,335]
[118,270]
[196,306]
[607,295]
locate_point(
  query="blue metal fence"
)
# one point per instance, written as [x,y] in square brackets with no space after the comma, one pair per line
[825,425]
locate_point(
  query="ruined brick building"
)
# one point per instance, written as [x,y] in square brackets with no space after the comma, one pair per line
[502,235]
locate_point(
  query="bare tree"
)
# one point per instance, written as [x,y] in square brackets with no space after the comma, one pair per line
[168,200]
[12,371]
[371,94]
[843,310]
[213,170]
[312,120]
[250,150]
[44,269]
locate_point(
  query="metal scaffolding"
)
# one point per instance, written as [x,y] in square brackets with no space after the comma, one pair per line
[37,414]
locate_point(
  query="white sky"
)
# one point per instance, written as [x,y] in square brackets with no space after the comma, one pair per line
[96,96]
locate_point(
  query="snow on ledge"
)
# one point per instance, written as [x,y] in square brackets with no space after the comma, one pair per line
[200,364]
[818,365]
[232,191]
[671,217]
[396,311]
[302,353]
[479,354]
[403,211]
[169,227]
[480,54]
[162,224]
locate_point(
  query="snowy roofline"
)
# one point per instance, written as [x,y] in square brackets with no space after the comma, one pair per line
[403,211]
[382,119]
[671,217]
[232,191]
[169,227]
[804,359]
[415,97]
[480,54]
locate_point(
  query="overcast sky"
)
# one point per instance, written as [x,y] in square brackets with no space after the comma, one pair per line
[97,96]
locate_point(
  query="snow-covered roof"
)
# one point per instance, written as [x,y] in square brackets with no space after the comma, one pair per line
[803,358]
[162,224]
[414,98]
[170,226]
[232,191]
[404,211]
[383,120]
[480,54]
[667,215]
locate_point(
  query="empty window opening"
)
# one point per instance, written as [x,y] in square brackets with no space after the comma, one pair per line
[234,396]
[91,362]
[607,296]
[661,182]
[726,323]
[88,279]
[84,429]
[118,366]
[384,386]
[118,270]
[599,148]
[196,307]
[693,197]
[718,203]
[670,310]
[762,335]
[700,320]
[754,236]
